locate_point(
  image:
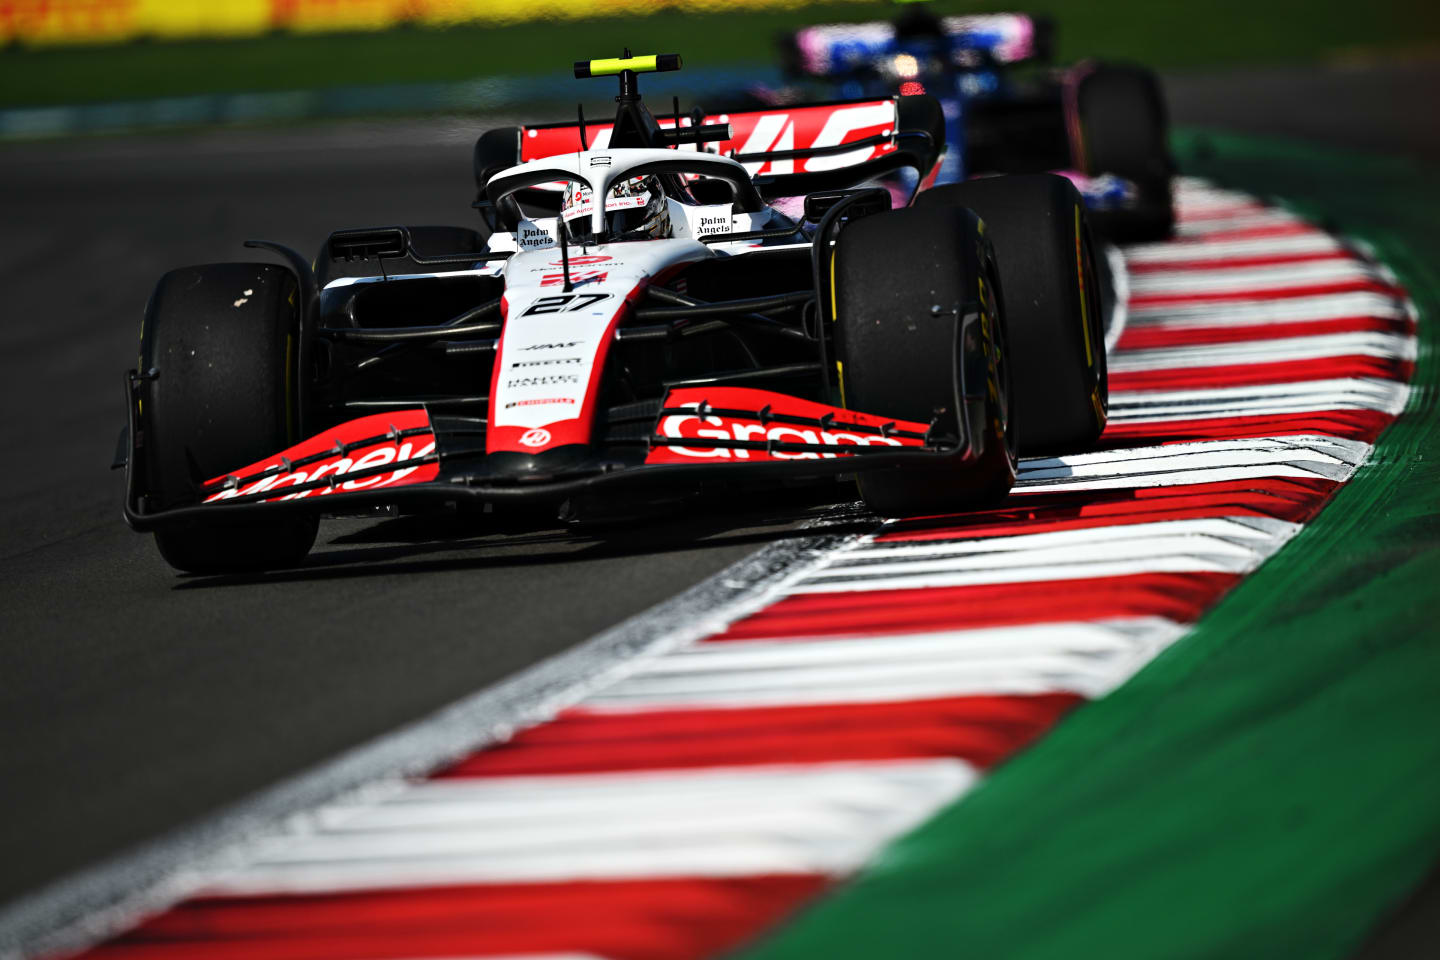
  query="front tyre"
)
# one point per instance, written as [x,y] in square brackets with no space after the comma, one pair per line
[222,341]
[1050,297]
[901,357]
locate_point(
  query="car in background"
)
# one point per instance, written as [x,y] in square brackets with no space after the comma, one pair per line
[1007,108]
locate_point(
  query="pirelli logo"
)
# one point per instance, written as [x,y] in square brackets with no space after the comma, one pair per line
[549,380]
[558,361]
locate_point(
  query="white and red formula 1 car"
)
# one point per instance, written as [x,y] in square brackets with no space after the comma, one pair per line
[650,308]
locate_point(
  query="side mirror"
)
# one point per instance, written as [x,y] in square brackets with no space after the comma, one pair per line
[869,200]
[388,243]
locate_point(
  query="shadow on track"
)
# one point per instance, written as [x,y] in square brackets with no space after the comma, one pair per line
[410,545]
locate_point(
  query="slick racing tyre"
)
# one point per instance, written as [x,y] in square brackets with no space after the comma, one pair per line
[221,339]
[1124,130]
[424,241]
[1050,298]
[901,357]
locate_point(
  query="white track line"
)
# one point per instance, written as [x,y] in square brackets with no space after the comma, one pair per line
[1251,221]
[1083,658]
[1314,307]
[1189,463]
[1264,399]
[1238,529]
[1221,250]
[717,822]
[1257,280]
[1245,352]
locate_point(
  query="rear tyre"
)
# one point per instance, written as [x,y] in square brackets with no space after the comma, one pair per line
[901,358]
[1124,130]
[425,241]
[1050,300]
[221,338]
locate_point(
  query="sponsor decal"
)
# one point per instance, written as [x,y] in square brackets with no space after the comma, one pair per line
[546,363]
[536,437]
[532,236]
[581,202]
[553,380]
[540,402]
[576,278]
[759,131]
[567,345]
[551,325]
[709,223]
[565,302]
[839,428]
[391,448]
[584,260]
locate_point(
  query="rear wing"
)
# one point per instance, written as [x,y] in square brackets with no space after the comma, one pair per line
[759,138]
[789,150]
[973,40]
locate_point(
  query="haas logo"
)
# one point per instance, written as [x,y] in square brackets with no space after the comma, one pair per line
[536,437]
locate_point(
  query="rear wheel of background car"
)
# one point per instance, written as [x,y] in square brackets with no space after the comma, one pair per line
[900,357]
[424,241]
[221,340]
[1051,302]
[1124,130]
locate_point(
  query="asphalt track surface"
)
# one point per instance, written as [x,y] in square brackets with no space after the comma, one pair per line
[134,700]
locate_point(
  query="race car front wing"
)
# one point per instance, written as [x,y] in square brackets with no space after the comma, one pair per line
[695,436]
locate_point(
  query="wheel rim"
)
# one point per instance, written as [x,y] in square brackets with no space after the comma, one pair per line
[1096,318]
[1000,366]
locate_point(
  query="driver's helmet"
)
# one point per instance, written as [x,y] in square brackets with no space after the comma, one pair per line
[635,209]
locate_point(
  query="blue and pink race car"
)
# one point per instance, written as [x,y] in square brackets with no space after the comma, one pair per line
[1007,109]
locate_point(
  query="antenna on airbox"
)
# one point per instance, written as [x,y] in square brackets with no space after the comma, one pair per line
[628,68]
[634,126]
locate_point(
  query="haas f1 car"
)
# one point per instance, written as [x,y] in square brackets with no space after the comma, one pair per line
[649,310]
[1006,109]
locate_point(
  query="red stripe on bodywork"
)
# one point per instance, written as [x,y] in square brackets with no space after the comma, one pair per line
[674,919]
[1252,374]
[1176,596]
[790,128]
[338,468]
[577,429]
[757,423]
[980,730]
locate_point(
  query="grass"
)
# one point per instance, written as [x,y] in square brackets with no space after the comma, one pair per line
[1166,35]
